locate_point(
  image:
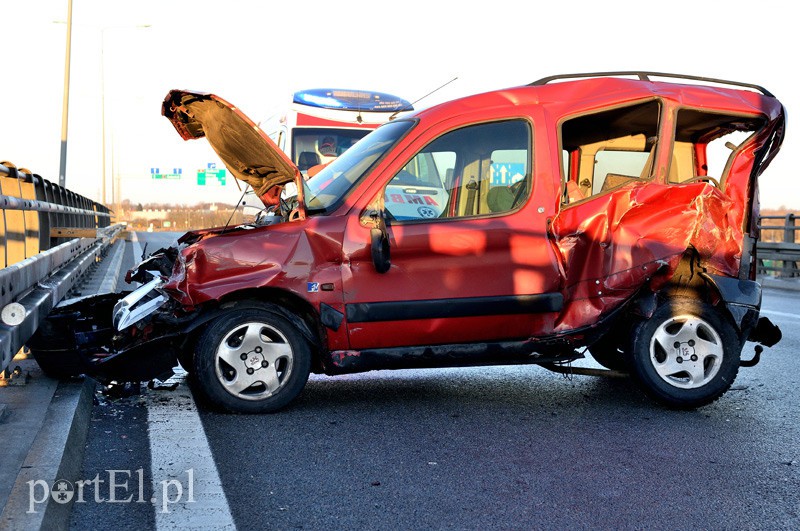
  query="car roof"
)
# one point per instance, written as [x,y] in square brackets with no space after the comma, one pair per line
[574,93]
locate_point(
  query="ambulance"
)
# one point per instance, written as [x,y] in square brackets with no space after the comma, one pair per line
[321,124]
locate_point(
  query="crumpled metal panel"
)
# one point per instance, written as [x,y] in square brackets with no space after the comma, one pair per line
[299,257]
[220,263]
[616,243]
[247,152]
[612,245]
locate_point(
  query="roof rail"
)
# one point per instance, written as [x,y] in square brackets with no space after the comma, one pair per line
[645,76]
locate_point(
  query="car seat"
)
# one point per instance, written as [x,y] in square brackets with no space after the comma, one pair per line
[306,160]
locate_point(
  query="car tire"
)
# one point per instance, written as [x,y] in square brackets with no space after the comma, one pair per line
[686,355]
[186,359]
[251,360]
[186,353]
[607,352]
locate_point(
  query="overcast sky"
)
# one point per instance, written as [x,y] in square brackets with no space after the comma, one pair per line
[255,54]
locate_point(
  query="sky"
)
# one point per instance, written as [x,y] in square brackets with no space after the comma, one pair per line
[127,55]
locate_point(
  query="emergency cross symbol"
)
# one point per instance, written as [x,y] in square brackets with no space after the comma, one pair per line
[426,212]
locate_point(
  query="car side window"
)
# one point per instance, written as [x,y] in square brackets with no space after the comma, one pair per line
[706,144]
[473,171]
[608,149]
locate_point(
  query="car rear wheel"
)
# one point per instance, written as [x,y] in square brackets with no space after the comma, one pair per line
[686,355]
[251,360]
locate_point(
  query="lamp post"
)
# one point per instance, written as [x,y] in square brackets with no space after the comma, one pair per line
[62,171]
[103,103]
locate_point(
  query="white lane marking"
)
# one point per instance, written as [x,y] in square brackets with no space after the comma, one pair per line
[187,492]
[781,314]
[137,248]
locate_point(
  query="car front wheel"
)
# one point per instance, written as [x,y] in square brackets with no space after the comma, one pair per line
[686,355]
[251,360]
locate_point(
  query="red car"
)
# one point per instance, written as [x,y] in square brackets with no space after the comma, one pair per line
[615,212]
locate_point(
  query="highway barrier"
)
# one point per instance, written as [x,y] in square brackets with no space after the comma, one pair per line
[49,236]
[786,251]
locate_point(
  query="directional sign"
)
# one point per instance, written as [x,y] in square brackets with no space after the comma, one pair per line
[506,173]
[211,176]
[155,173]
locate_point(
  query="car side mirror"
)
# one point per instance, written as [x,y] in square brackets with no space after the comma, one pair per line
[379,242]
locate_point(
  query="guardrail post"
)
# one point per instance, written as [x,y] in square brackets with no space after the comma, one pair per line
[789,266]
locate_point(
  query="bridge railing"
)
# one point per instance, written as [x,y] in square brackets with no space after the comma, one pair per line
[49,236]
[778,250]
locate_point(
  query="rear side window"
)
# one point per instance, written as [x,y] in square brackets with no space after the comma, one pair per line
[706,144]
[605,150]
[479,170]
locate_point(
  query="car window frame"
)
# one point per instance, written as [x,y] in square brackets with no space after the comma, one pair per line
[459,167]
[664,118]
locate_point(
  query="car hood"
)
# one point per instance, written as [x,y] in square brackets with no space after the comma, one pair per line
[245,150]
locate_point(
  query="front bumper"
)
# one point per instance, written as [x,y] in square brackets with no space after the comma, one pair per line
[79,338]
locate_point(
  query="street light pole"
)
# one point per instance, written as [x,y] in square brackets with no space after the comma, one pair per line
[103,108]
[62,172]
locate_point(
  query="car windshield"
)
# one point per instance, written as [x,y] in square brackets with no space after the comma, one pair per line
[328,187]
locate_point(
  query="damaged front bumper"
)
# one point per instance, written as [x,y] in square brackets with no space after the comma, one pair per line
[110,337]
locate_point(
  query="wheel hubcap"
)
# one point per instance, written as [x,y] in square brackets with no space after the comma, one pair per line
[686,352]
[254,361]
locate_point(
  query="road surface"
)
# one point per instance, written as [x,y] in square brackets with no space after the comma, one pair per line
[501,447]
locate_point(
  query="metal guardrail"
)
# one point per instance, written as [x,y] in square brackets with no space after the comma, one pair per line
[49,236]
[787,251]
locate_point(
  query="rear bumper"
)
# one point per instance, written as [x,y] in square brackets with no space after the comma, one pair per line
[742,298]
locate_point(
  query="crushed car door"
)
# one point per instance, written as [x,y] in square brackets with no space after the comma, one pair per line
[465,262]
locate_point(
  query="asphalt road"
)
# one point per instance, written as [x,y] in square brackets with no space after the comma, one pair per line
[503,447]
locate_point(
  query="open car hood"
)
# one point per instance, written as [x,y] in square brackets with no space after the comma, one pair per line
[245,150]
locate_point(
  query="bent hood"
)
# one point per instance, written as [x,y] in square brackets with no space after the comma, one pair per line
[245,150]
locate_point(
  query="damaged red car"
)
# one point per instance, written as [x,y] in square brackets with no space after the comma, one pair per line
[613,213]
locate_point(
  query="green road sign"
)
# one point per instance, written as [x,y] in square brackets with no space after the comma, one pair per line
[156,173]
[209,175]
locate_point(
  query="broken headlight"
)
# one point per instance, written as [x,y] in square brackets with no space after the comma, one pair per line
[139,303]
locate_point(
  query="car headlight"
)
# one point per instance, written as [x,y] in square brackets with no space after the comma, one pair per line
[138,304]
